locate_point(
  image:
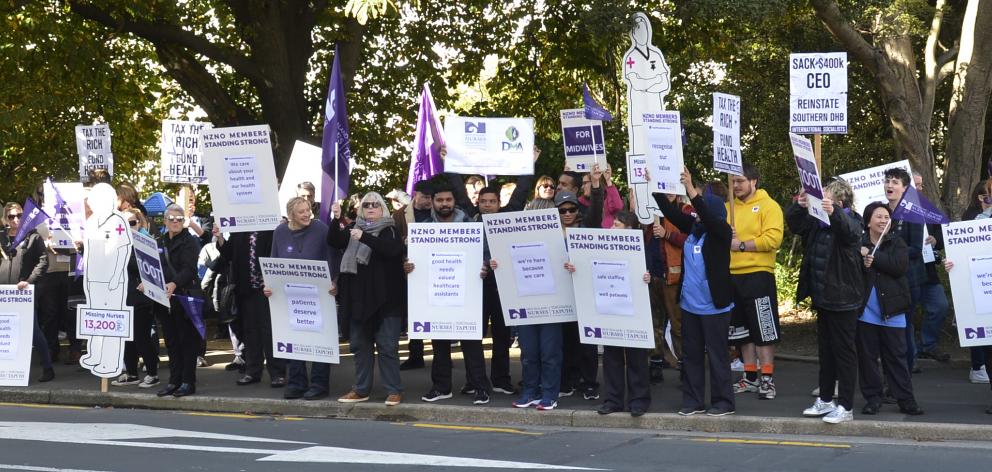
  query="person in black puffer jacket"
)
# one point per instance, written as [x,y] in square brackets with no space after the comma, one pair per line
[882,325]
[831,275]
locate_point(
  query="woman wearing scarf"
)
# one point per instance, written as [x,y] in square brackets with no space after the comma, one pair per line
[372,266]
[302,237]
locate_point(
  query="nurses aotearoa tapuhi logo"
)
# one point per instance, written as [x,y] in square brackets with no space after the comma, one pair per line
[284,347]
[592,332]
[974,333]
[421,326]
[517,313]
[226,222]
[472,127]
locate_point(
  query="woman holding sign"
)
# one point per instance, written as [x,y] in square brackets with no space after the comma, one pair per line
[144,319]
[372,266]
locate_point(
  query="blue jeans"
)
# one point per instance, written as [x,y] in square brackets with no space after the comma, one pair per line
[935,306]
[320,377]
[363,346]
[541,359]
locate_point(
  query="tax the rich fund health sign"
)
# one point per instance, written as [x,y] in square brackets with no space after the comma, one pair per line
[818,93]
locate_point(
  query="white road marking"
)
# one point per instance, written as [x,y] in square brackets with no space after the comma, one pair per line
[359,456]
[42,469]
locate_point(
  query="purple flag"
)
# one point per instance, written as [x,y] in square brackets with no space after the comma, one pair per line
[32,217]
[194,309]
[915,208]
[427,141]
[62,209]
[336,151]
[594,111]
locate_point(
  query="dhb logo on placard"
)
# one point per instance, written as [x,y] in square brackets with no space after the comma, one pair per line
[593,332]
[421,326]
[228,222]
[284,347]
[518,313]
[475,128]
[974,333]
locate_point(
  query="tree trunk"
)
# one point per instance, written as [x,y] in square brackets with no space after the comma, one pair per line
[969,104]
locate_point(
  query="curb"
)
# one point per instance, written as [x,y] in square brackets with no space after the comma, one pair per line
[411,412]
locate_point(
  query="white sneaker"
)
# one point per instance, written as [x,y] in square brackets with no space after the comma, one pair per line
[124,379]
[839,415]
[980,376]
[820,408]
[149,381]
[737,366]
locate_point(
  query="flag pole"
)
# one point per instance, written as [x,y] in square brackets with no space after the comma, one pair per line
[884,232]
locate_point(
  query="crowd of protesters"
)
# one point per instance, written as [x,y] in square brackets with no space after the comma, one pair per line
[711,275]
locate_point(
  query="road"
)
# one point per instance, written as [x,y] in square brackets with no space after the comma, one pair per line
[75,439]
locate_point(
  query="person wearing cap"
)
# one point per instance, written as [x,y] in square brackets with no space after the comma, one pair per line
[706,299]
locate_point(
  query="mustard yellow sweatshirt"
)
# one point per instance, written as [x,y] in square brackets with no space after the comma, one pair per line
[759,219]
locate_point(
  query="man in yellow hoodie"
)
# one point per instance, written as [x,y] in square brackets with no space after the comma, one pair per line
[758,228]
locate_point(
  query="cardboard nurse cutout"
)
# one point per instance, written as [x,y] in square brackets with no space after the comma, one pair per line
[648,81]
[105,321]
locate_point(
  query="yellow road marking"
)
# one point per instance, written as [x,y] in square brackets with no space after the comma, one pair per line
[242,416]
[35,405]
[481,429]
[764,442]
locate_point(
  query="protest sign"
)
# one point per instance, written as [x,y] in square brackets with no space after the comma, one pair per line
[242,177]
[304,166]
[663,132]
[150,267]
[727,134]
[182,161]
[818,93]
[809,176]
[444,291]
[534,287]
[70,215]
[304,314]
[614,308]
[489,146]
[93,148]
[968,244]
[16,331]
[583,140]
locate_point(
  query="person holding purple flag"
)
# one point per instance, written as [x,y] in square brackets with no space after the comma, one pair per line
[336,150]
[428,139]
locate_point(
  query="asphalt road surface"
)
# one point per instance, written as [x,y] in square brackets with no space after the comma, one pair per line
[36,438]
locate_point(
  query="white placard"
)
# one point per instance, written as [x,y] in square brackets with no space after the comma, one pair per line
[663,133]
[296,336]
[182,159]
[105,323]
[869,184]
[727,134]
[968,244]
[614,307]
[522,228]
[242,178]
[818,93]
[73,218]
[532,269]
[583,140]
[93,148]
[809,176]
[489,146]
[16,331]
[304,166]
[444,291]
[150,268]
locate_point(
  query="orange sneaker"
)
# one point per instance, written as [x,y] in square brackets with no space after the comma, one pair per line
[394,399]
[353,397]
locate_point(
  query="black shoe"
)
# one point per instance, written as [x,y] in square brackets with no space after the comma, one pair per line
[481,397]
[278,382]
[292,394]
[505,389]
[871,409]
[637,411]
[468,389]
[606,409]
[910,408]
[314,394]
[689,411]
[412,363]
[184,390]
[47,375]
[168,390]
[590,394]
[719,412]
[935,354]
[234,365]
[248,379]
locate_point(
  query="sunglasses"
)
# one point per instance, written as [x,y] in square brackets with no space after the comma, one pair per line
[174,218]
[563,211]
[547,186]
[14,216]
[132,222]
[370,204]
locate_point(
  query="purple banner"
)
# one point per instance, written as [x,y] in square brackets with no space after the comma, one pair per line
[809,177]
[915,208]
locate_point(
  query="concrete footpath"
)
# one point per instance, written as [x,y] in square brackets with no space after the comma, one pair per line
[954,407]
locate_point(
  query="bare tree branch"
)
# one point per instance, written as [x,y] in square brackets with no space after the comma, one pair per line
[201,85]
[842,30]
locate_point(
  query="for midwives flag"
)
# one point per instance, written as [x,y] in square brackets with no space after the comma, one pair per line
[594,111]
[915,208]
[427,141]
[336,151]
[30,219]
[194,309]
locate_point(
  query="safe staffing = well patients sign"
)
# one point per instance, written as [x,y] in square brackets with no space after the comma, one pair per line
[968,244]
[818,93]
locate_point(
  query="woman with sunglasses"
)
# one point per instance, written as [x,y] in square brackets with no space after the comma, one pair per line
[179,250]
[544,194]
[372,266]
[144,319]
[23,265]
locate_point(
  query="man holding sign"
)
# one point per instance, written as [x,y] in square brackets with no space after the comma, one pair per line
[896,182]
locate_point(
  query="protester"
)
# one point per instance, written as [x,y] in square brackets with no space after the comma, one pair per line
[371,267]
[54,283]
[302,237]
[896,182]
[419,211]
[758,230]
[179,251]
[664,254]
[506,191]
[931,294]
[308,191]
[143,319]
[831,276]
[625,368]
[612,203]
[22,265]
[706,300]
[569,181]
[472,185]
[544,194]
[883,319]
[980,207]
